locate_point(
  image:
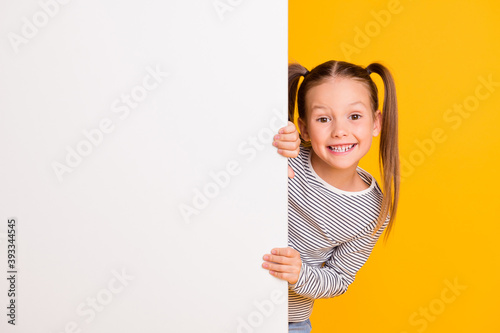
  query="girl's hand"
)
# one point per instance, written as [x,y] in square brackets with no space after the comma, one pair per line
[283,263]
[287,141]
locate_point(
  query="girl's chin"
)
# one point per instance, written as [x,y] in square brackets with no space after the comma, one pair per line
[337,165]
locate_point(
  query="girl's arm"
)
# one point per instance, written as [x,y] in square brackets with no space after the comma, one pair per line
[339,271]
[322,282]
[287,141]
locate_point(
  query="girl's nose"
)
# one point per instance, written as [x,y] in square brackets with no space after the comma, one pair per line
[339,130]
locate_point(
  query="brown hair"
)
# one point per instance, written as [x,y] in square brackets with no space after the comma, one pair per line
[388,151]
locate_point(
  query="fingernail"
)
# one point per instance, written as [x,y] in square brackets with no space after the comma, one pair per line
[266,257]
[276,137]
[273,251]
[275,143]
[281,131]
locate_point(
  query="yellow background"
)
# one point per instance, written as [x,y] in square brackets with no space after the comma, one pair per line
[448,223]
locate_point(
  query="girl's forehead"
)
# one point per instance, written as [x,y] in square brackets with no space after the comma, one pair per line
[341,91]
[338,93]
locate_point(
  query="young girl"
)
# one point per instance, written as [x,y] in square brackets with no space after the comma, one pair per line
[336,210]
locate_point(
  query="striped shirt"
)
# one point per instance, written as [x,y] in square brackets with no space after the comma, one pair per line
[330,228]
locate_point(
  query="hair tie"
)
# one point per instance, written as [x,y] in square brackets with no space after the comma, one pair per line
[368,70]
[305,74]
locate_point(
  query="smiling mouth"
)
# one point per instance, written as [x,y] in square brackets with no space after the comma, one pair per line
[341,148]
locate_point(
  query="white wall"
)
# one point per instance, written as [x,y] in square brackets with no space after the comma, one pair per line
[115,116]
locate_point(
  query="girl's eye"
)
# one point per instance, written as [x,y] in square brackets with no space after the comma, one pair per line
[355,116]
[323,119]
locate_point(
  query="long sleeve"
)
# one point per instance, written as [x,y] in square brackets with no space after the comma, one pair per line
[339,271]
[331,229]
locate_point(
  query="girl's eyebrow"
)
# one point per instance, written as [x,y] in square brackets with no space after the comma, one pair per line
[324,107]
[357,102]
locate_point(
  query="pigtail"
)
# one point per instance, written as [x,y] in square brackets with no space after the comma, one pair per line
[389,151]
[295,71]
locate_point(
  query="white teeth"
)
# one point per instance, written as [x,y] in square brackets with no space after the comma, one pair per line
[341,149]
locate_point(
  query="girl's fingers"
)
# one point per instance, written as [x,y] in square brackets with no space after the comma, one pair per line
[290,146]
[287,153]
[290,128]
[276,259]
[285,252]
[288,141]
[279,268]
[285,145]
[285,255]
[291,278]
[283,272]
[283,263]
[287,138]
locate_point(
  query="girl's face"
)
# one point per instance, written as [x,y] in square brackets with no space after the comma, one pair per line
[340,123]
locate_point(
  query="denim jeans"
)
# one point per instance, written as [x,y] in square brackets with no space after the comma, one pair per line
[300,327]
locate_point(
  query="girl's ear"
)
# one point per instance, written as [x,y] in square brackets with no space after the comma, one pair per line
[377,123]
[303,129]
